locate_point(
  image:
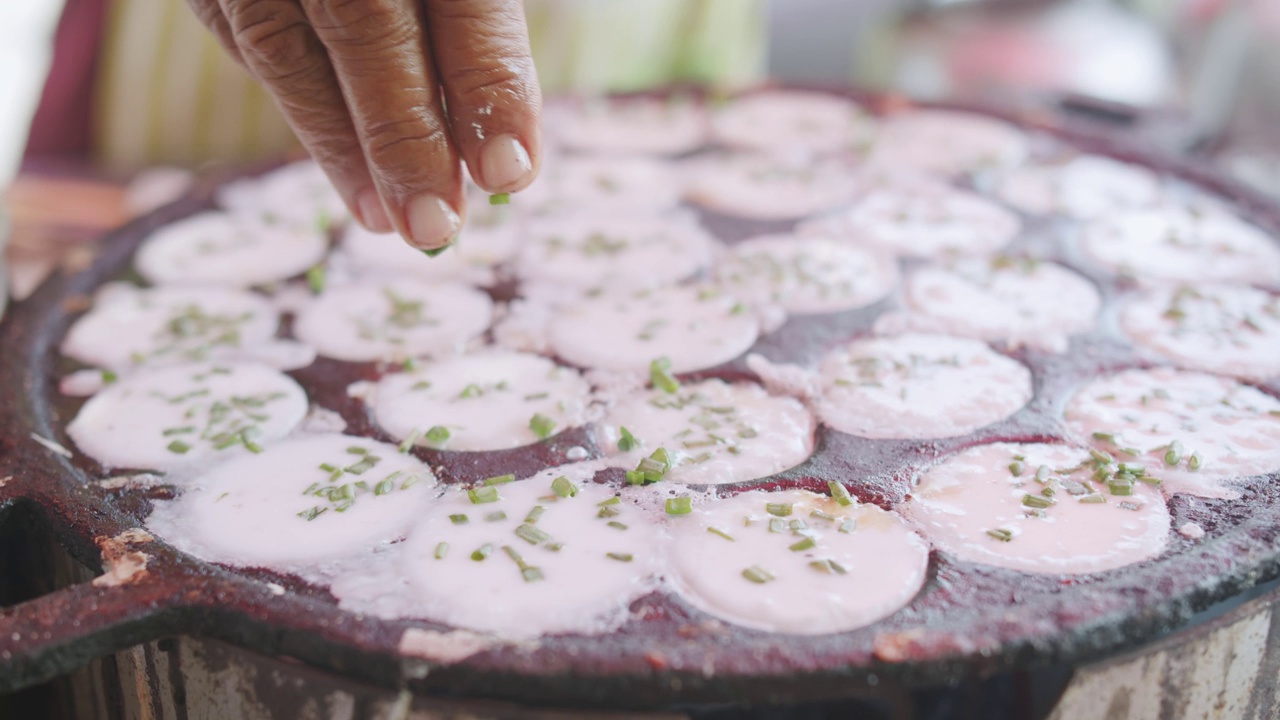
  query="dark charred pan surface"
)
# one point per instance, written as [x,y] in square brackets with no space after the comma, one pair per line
[968,622]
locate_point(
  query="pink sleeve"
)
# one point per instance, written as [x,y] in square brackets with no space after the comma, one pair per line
[63,126]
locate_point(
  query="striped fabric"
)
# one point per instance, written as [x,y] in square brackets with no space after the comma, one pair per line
[168,94]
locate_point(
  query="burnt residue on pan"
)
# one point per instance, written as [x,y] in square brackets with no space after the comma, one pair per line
[969,621]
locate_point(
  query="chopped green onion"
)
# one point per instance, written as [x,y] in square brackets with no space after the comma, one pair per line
[661,377]
[840,493]
[499,480]
[635,477]
[481,495]
[822,515]
[682,505]
[384,487]
[410,441]
[1195,461]
[542,426]
[316,279]
[441,550]
[495,516]
[757,574]
[531,534]
[357,450]
[848,525]
[179,447]
[433,252]
[459,519]
[1120,488]
[620,557]
[500,199]
[616,525]
[1001,534]
[721,533]
[563,487]
[802,545]
[627,442]
[312,513]
[437,435]
[1093,498]
[534,514]
[471,391]
[1015,468]
[777,525]
[1036,501]
[778,509]
[1042,473]
[607,511]
[611,501]
[482,552]
[830,567]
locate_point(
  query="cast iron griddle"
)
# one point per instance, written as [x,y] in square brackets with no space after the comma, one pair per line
[969,621]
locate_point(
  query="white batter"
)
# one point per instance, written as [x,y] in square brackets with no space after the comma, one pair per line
[217,248]
[713,432]
[975,508]
[919,386]
[635,125]
[1008,299]
[763,186]
[696,327]
[844,580]
[187,414]
[1227,329]
[922,218]
[636,250]
[297,194]
[471,259]
[576,586]
[128,326]
[793,119]
[1086,186]
[602,183]
[1223,430]
[1173,242]
[806,274]
[483,401]
[949,142]
[281,508]
[395,319]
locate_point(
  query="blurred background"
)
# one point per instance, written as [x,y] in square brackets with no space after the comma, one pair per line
[107,105]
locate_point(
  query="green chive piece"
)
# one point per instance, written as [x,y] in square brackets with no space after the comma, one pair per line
[481,495]
[179,447]
[616,525]
[1120,488]
[534,514]
[495,516]
[110,376]
[531,574]
[1042,473]
[626,441]
[531,534]
[441,550]
[1195,461]
[357,450]
[721,533]
[1001,534]
[482,552]
[777,525]
[563,487]
[554,547]
[830,567]
[1093,499]
[542,426]
[500,199]
[312,513]
[499,480]
[608,511]
[459,519]
[1015,468]
[384,487]
[804,544]
[611,501]
[822,515]
[316,279]
[410,441]
[1036,501]
[635,477]
[840,493]
[433,252]
[472,391]
[437,435]
[778,509]
[848,525]
[758,575]
[661,377]
[620,557]
[682,505]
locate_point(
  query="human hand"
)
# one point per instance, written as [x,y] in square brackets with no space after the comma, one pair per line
[391,96]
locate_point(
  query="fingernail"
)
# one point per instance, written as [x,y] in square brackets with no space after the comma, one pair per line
[372,214]
[505,164]
[432,223]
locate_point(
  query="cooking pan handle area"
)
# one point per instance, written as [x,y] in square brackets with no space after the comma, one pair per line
[56,633]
